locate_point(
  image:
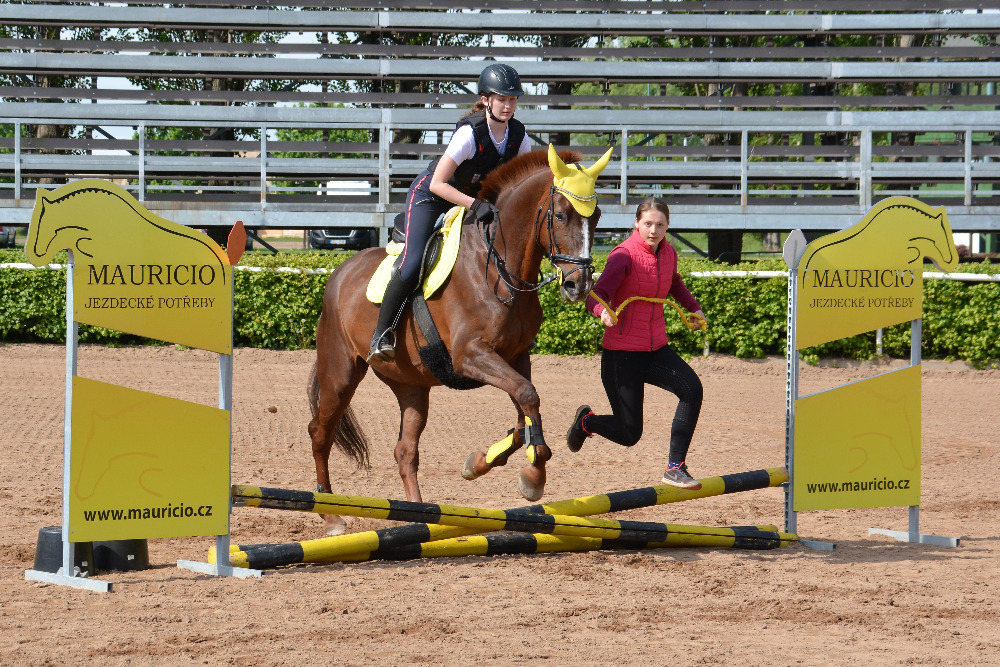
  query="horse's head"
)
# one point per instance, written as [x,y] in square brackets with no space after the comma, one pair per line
[52,231]
[571,223]
[932,238]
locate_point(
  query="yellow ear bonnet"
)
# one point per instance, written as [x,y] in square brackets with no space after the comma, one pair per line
[576,183]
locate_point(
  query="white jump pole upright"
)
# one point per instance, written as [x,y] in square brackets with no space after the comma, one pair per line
[68,574]
[795,245]
[222,541]
[913,533]
[791,391]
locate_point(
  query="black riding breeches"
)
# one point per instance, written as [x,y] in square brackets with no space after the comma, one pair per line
[625,374]
[423,208]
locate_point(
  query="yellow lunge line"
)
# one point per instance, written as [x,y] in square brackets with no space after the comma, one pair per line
[693,322]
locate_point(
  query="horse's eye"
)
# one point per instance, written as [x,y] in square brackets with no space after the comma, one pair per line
[561,217]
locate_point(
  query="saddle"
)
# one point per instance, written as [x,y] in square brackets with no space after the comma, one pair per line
[438,256]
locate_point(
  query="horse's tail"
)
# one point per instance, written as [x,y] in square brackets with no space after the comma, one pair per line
[348,434]
[313,391]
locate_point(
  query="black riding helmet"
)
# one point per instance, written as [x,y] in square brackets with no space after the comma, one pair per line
[500,79]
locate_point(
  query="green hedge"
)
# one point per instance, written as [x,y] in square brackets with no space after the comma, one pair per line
[279,310]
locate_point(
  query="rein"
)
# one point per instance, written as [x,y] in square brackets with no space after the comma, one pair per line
[488,235]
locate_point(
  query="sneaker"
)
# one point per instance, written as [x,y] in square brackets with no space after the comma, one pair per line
[680,478]
[576,435]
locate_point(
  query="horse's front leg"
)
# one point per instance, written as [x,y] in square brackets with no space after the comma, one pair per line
[488,367]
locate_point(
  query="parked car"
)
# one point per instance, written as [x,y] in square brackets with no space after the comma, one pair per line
[347,238]
[7,235]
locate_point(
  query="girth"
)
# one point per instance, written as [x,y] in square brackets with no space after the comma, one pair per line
[435,355]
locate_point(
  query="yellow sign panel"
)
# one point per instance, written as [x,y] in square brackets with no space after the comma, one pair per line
[135,272]
[144,465]
[871,275]
[859,445]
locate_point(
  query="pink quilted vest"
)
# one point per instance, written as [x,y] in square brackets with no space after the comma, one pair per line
[641,325]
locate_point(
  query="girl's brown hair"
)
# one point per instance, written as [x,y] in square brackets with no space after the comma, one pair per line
[652,203]
[477,107]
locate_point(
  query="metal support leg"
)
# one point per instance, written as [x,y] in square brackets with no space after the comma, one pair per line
[913,535]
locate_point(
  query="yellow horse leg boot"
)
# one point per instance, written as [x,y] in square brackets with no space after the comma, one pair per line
[500,451]
[479,464]
[383,346]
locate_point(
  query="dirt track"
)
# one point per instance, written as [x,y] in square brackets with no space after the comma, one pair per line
[871,601]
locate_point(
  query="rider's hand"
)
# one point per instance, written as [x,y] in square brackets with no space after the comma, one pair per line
[607,319]
[484,210]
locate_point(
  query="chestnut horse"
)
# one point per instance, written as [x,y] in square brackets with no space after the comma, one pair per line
[487,314]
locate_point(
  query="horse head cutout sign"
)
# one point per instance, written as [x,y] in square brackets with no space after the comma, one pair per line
[870,275]
[134,271]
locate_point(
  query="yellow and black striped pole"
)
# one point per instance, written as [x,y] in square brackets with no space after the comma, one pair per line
[731,537]
[741,537]
[382,542]
[626,534]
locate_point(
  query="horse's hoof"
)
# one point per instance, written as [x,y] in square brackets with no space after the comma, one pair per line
[335,525]
[469,469]
[532,483]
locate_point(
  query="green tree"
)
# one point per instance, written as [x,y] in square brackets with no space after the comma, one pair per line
[46,37]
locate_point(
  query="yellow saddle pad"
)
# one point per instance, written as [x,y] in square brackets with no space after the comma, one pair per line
[452,230]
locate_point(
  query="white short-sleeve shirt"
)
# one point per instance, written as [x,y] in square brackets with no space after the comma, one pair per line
[463,144]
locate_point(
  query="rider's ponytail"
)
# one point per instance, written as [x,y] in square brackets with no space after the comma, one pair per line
[476,108]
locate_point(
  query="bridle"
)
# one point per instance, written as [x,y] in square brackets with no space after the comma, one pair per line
[488,234]
[585,264]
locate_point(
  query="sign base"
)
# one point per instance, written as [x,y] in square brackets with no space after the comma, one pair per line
[818,546]
[917,538]
[63,580]
[219,570]
[914,535]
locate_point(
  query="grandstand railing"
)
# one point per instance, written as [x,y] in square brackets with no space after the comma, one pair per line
[751,184]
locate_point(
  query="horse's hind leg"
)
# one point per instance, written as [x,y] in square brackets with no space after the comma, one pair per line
[413,405]
[332,387]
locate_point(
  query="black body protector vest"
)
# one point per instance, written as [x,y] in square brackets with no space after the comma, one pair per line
[468,176]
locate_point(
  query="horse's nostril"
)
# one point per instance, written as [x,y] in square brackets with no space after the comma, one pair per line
[569,285]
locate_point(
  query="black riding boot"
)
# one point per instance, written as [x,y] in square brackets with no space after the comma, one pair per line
[393,302]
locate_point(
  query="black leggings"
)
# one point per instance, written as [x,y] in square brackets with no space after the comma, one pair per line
[625,374]
[423,208]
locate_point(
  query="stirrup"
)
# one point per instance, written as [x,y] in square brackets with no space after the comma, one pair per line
[382,349]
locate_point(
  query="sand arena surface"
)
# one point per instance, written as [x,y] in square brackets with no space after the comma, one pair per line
[872,601]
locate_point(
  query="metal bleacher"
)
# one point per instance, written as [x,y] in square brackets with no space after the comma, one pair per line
[812,160]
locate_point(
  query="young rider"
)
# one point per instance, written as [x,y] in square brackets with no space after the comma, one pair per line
[486,137]
[635,347]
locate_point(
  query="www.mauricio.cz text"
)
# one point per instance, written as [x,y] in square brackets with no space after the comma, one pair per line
[883,484]
[168,511]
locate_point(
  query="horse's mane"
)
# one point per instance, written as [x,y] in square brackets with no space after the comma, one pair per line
[519,168]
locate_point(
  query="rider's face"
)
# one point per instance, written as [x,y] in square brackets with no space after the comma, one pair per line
[502,106]
[652,227]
